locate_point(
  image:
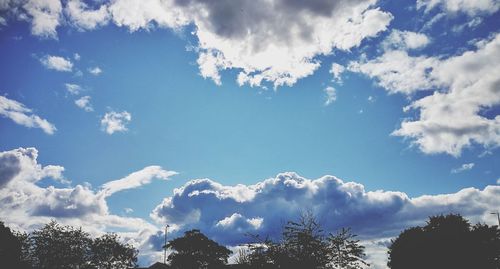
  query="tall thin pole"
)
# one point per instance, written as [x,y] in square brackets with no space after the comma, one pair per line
[165,246]
[498,216]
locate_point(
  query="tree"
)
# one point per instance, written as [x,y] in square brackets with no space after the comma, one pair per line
[196,251]
[10,248]
[55,246]
[446,242]
[108,253]
[304,245]
[346,252]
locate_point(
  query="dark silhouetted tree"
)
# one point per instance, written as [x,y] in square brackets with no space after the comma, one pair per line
[108,253]
[196,251]
[304,245]
[10,248]
[345,251]
[446,242]
[55,246]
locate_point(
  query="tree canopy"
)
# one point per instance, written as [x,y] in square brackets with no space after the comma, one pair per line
[446,242]
[55,246]
[196,251]
[304,244]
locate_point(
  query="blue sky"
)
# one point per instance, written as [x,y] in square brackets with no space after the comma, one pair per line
[171,92]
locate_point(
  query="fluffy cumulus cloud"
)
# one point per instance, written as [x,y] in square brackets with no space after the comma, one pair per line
[263,207]
[227,213]
[57,63]
[405,40]
[24,116]
[45,16]
[84,103]
[115,121]
[469,7]
[273,41]
[25,205]
[463,86]
[224,213]
[83,18]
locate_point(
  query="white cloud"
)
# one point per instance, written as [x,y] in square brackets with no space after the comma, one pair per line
[405,40]
[115,121]
[274,41]
[76,56]
[22,115]
[57,63]
[84,103]
[24,205]
[137,179]
[331,95]
[336,70]
[95,71]
[45,17]
[262,208]
[73,88]
[85,19]
[462,168]
[397,72]
[450,119]
[469,7]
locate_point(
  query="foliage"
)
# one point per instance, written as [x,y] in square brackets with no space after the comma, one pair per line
[446,242]
[196,251]
[55,246]
[345,251]
[106,252]
[10,248]
[304,245]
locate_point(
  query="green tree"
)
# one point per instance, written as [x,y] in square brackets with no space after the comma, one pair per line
[108,253]
[446,242]
[196,251]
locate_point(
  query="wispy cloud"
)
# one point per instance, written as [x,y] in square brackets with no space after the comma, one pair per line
[24,116]
[84,103]
[73,88]
[464,167]
[330,95]
[95,71]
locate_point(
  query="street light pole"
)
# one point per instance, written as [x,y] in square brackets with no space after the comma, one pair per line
[165,246]
[498,216]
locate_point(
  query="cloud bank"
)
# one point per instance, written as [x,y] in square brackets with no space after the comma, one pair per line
[224,213]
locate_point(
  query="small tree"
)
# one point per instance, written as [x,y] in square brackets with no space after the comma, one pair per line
[196,251]
[344,251]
